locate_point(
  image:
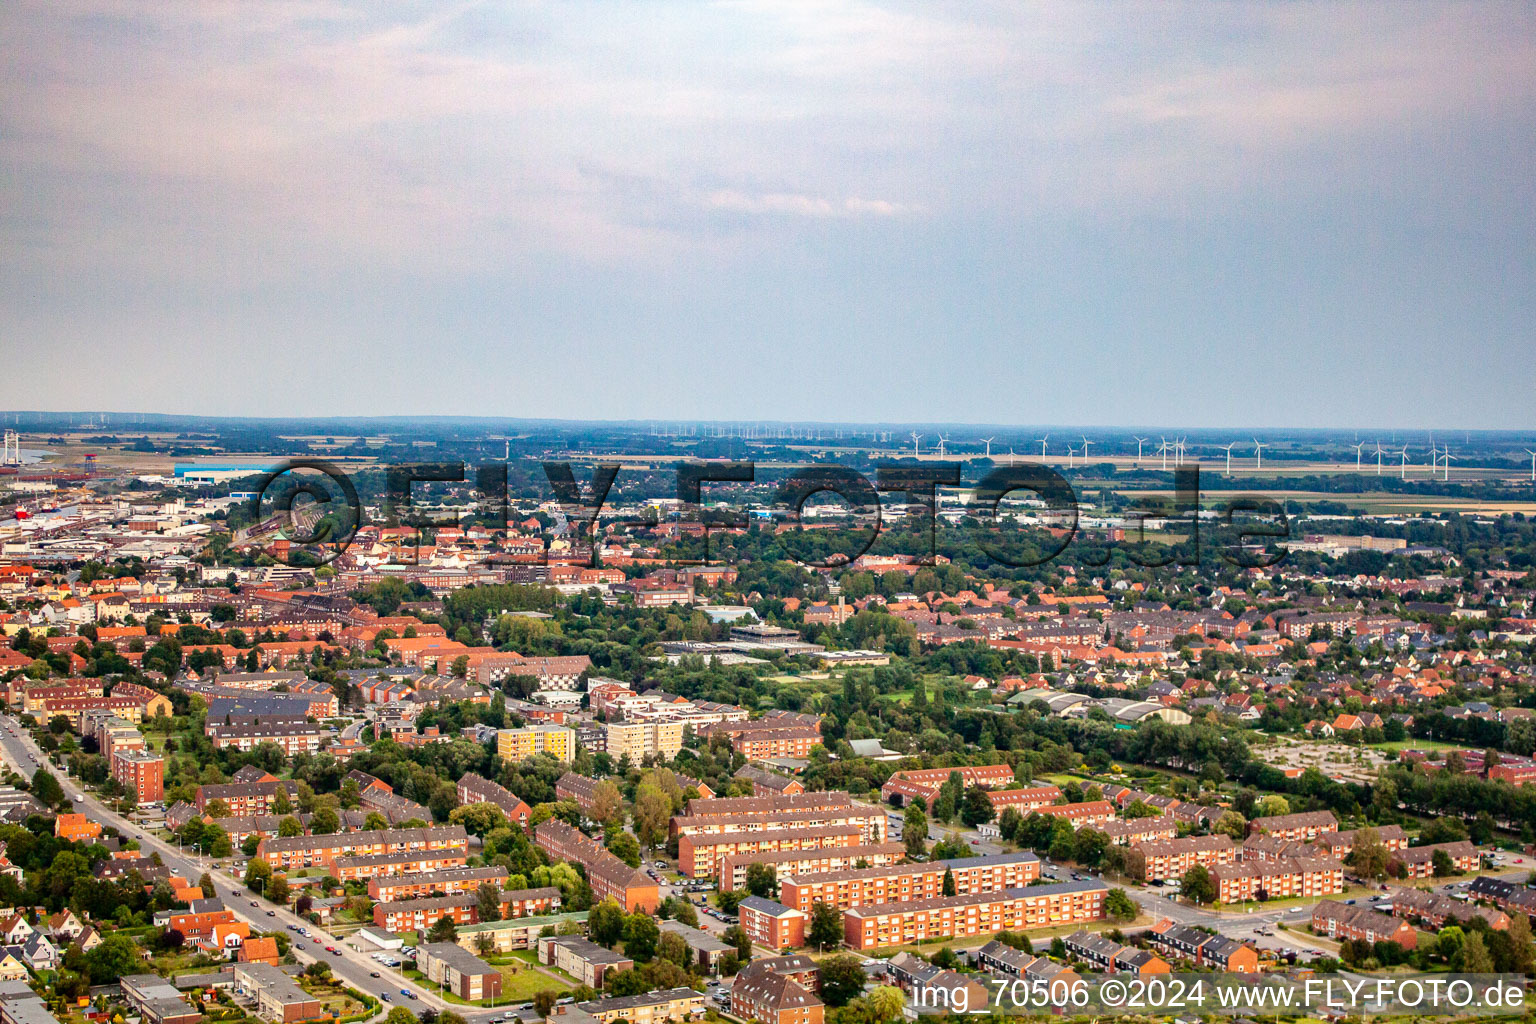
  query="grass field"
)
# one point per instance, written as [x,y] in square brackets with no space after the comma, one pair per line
[1413,744]
[520,982]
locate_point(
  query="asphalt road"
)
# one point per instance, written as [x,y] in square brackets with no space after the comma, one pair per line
[349,964]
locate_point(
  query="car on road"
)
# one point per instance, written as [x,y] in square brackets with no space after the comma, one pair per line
[271,913]
[374,974]
[384,996]
[255,904]
[405,991]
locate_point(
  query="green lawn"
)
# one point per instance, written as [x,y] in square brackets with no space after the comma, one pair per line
[1413,744]
[519,984]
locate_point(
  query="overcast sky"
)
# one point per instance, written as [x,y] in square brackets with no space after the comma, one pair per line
[1216,214]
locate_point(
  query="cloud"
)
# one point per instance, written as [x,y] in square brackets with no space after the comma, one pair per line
[801,205]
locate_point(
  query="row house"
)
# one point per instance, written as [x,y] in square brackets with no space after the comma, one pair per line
[577,788]
[1041,906]
[1343,922]
[1282,879]
[1015,963]
[869,819]
[1204,948]
[791,863]
[907,882]
[1112,957]
[1437,911]
[296,852]
[1171,858]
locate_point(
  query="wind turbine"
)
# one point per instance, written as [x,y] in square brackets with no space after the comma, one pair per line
[1139,442]
[1358,449]
[1069,456]
[1378,458]
[988,442]
[1042,441]
[1447,456]
[1163,451]
[1179,449]
[1405,462]
[1010,456]
[1086,443]
[1258,453]
[1533,464]
[942,439]
[1228,449]
[916,437]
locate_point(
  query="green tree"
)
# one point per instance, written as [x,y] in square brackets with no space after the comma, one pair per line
[605,923]
[46,788]
[488,901]
[277,889]
[1369,856]
[1119,906]
[885,1004]
[543,1003]
[737,936]
[258,875]
[826,929]
[1197,885]
[948,884]
[640,937]
[1443,865]
[324,822]
[976,807]
[626,847]
[1233,825]
[763,881]
[1475,958]
[674,948]
[842,978]
[400,1015]
[1272,805]
[443,930]
[914,829]
[290,826]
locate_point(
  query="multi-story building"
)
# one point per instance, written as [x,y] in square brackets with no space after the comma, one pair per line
[582,959]
[1040,906]
[768,995]
[1342,844]
[772,925]
[639,740]
[462,908]
[1340,921]
[1032,798]
[924,783]
[762,744]
[1136,831]
[475,789]
[458,971]
[766,783]
[433,883]
[514,745]
[791,863]
[1419,861]
[608,876]
[375,865]
[141,773]
[674,1004]
[1170,858]
[905,882]
[578,788]
[703,856]
[294,852]
[1437,911]
[1278,879]
[248,799]
[1092,812]
[277,997]
[1304,827]
[291,737]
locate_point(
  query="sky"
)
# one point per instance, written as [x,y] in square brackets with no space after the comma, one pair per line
[1236,214]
